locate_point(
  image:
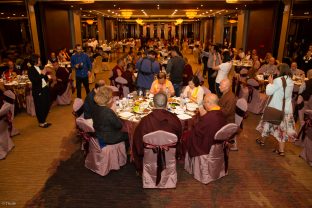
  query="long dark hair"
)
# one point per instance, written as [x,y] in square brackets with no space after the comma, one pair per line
[226,56]
[284,69]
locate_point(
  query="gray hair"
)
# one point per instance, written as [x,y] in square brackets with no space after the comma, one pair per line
[160,100]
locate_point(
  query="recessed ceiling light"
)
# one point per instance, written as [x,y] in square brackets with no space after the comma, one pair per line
[84,15]
[8,17]
[2,13]
[158,5]
[245,5]
[80,8]
[306,13]
[210,10]
[71,6]
[22,15]
[201,5]
[236,8]
[197,8]
[14,14]
[114,5]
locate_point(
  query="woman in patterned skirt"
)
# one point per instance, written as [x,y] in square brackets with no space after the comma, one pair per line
[286,130]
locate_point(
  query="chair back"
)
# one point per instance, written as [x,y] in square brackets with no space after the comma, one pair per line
[159,163]
[226,132]
[77,106]
[85,125]
[9,97]
[253,82]
[241,109]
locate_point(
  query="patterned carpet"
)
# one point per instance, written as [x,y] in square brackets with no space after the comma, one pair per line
[46,169]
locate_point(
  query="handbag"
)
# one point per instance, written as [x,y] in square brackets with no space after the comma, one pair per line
[273,115]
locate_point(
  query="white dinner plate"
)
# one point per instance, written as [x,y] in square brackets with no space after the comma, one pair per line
[184,116]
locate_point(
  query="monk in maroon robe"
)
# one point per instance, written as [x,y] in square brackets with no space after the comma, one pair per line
[187,73]
[158,119]
[117,71]
[202,135]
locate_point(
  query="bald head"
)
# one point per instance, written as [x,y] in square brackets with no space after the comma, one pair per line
[160,100]
[272,61]
[100,83]
[225,85]
[211,100]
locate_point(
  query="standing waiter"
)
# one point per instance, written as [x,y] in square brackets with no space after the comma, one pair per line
[40,90]
[80,61]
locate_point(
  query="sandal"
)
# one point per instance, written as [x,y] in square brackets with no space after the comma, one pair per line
[261,143]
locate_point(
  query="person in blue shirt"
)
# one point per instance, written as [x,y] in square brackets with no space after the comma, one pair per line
[82,64]
[147,67]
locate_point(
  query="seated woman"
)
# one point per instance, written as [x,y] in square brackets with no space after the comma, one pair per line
[106,124]
[194,91]
[11,71]
[187,72]
[161,84]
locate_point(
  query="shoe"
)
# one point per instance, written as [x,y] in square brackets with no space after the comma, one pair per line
[44,125]
[234,149]
[261,143]
[278,152]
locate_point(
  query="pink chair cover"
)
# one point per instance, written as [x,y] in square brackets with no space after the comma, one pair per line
[6,143]
[306,153]
[30,106]
[65,98]
[258,99]
[210,167]
[241,107]
[121,83]
[243,93]
[169,174]
[11,95]
[102,161]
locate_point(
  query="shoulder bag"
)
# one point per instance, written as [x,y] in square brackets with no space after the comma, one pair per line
[273,115]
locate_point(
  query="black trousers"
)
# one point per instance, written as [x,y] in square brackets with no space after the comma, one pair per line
[211,80]
[42,104]
[85,82]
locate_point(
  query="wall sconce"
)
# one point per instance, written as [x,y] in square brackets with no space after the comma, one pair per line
[90,22]
[139,21]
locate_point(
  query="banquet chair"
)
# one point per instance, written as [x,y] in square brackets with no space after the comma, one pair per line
[121,84]
[240,112]
[159,162]
[256,100]
[6,143]
[30,105]
[307,105]
[210,167]
[78,107]
[65,98]
[9,98]
[101,160]
[306,136]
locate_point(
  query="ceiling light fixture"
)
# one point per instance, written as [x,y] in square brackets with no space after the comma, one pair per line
[231,1]
[191,13]
[178,21]
[126,13]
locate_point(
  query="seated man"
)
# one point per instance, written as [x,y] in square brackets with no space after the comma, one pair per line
[227,101]
[202,135]
[89,101]
[295,71]
[269,68]
[161,84]
[158,119]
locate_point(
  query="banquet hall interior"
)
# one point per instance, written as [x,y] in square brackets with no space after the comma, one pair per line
[47,167]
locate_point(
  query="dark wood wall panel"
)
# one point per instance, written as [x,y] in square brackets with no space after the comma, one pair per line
[261,30]
[56,29]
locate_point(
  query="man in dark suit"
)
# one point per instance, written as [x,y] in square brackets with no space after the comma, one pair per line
[40,90]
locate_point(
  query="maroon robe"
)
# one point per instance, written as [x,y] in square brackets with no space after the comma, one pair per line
[187,74]
[127,75]
[158,119]
[115,74]
[62,76]
[202,135]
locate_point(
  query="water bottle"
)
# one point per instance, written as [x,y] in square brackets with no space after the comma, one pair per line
[167,92]
[140,93]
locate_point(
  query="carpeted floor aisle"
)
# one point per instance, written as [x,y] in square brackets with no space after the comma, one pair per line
[46,169]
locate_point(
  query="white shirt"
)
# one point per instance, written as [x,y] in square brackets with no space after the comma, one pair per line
[43,82]
[223,71]
[277,91]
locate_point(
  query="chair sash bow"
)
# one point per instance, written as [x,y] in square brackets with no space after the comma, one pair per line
[305,127]
[161,157]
